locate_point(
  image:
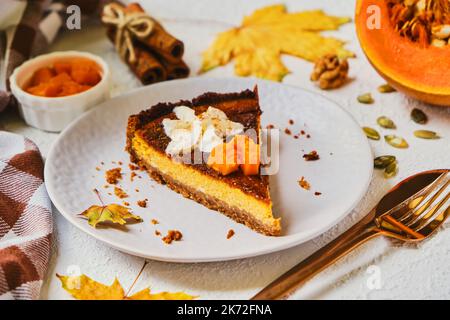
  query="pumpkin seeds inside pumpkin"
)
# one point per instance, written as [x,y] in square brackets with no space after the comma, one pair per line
[385,88]
[396,141]
[371,133]
[382,162]
[386,123]
[365,98]
[426,134]
[419,116]
[391,170]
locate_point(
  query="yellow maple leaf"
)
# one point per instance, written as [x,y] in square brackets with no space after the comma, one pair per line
[269,32]
[114,213]
[84,288]
[146,295]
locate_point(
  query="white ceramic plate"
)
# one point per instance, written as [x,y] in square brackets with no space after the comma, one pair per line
[342,174]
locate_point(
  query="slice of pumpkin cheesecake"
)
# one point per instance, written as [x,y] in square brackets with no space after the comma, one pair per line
[183,144]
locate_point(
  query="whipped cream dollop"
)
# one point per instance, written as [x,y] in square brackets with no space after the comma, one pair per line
[205,131]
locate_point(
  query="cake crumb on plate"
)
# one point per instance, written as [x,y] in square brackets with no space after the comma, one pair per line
[304,184]
[113,175]
[230,233]
[172,235]
[312,156]
[142,203]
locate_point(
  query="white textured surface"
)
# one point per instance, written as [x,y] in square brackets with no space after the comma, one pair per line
[416,273]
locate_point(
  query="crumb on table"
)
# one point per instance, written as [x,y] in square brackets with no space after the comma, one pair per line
[154,221]
[157,233]
[304,184]
[230,233]
[317,193]
[113,175]
[172,235]
[312,156]
[142,203]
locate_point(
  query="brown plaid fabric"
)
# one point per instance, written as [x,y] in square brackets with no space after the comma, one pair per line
[25,219]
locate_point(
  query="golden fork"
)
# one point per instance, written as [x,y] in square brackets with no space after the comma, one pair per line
[410,212]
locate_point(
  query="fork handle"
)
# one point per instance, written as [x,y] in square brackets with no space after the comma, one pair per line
[308,268]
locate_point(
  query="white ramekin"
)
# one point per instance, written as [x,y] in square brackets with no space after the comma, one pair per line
[54,114]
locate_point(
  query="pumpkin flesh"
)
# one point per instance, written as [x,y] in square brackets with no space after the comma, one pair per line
[418,71]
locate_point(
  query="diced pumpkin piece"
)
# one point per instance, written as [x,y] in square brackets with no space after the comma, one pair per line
[70,88]
[61,67]
[252,162]
[223,158]
[42,75]
[61,78]
[38,90]
[52,89]
[48,89]
[248,154]
[85,74]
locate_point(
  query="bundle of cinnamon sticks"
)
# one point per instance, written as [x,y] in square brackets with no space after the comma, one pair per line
[152,56]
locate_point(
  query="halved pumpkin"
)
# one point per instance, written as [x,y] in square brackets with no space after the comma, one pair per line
[418,71]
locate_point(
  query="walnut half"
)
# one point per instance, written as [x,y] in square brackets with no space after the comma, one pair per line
[330,72]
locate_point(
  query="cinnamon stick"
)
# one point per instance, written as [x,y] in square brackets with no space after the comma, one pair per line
[176,70]
[147,67]
[162,42]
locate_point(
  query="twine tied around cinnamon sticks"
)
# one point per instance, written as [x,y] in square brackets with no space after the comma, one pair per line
[153,55]
[127,24]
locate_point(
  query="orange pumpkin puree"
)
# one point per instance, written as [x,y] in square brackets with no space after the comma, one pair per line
[64,78]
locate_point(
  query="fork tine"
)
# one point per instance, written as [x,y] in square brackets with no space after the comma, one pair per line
[407,214]
[419,213]
[434,225]
[431,215]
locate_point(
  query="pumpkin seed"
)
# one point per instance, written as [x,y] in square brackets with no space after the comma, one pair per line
[426,134]
[371,133]
[385,88]
[419,116]
[391,170]
[395,141]
[365,98]
[441,31]
[438,43]
[386,123]
[382,162]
